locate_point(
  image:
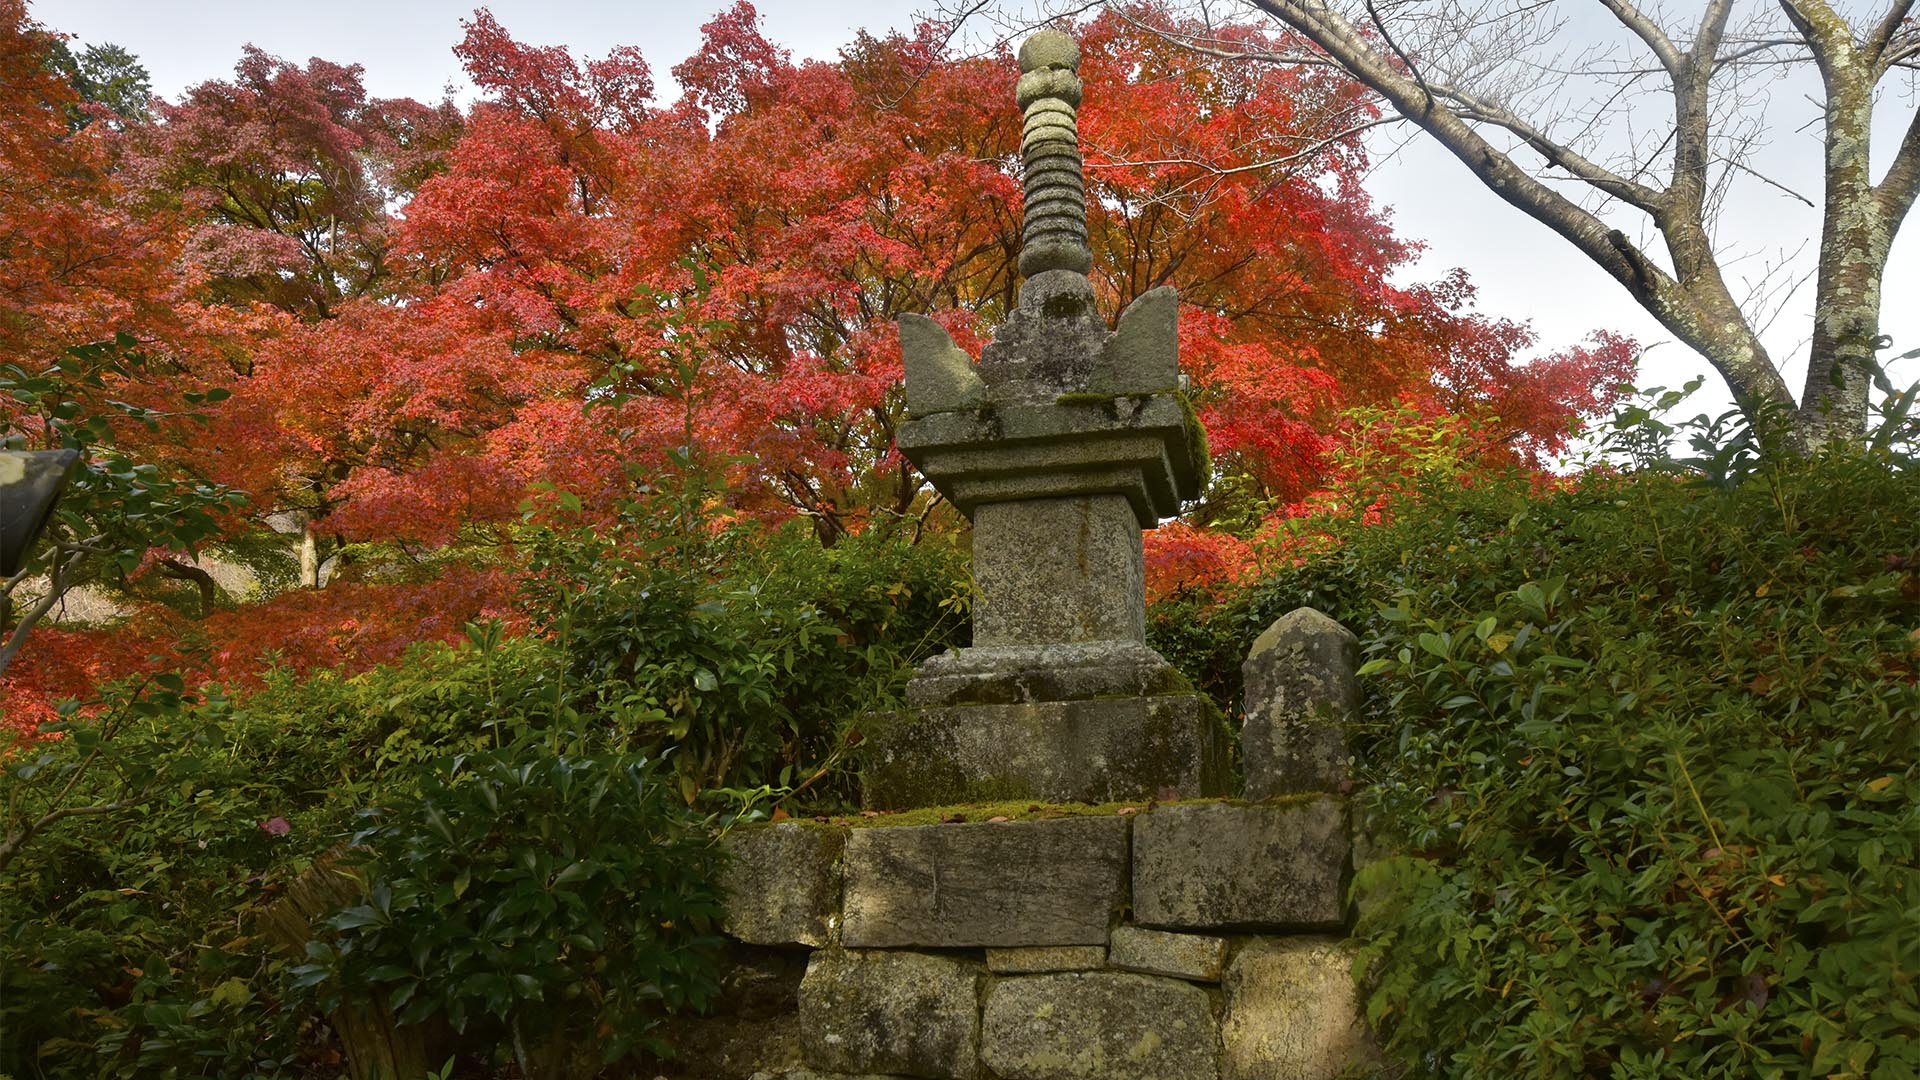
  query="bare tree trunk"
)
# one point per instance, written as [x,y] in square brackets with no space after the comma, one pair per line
[186,571]
[309,554]
[1855,236]
[1692,300]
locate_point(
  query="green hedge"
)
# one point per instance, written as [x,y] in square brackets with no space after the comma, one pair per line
[1643,756]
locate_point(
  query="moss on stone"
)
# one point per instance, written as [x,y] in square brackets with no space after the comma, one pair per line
[1012,810]
[1027,810]
[1196,440]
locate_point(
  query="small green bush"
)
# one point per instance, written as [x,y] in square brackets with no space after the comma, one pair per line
[752,654]
[552,902]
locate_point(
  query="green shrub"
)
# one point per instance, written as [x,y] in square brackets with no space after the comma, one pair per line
[751,654]
[1647,755]
[1644,754]
[128,943]
[550,902]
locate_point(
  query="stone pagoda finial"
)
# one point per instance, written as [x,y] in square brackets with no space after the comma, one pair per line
[1055,232]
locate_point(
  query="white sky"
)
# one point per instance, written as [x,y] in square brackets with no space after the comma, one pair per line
[1522,270]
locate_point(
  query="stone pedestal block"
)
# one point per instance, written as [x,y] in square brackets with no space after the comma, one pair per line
[1206,866]
[999,884]
[900,1013]
[1101,749]
[1300,691]
[782,883]
[1292,1013]
[1199,957]
[1098,1026]
[1058,570]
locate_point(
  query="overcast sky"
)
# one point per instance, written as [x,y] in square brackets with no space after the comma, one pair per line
[1522,270]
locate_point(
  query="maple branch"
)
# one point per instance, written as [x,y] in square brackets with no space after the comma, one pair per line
[57,585]
[1211,169]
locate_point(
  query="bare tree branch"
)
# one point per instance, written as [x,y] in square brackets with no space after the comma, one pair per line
[1874,46]
[1896,190]
[18,839]
[1648,31]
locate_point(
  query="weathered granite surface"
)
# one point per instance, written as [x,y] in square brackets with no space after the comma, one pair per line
[1058,570]
[1301,689]
[1054,230]
[1260,867]
[1292,1012]
[1098,1026]
[939,374]
[1038,959]
[1012,674]
[783,883]
[810,1074]
[905,1013]
[1060,882]
[1199,957]
[1073,442]
[1102,749]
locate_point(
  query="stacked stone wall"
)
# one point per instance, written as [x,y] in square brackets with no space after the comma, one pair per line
[1188,941]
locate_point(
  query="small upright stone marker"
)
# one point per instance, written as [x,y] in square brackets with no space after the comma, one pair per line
[1061,445]
[1301,689]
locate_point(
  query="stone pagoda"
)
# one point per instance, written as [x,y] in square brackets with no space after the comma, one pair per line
[1061,445]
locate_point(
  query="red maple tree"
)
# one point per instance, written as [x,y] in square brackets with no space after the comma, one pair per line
[420,313]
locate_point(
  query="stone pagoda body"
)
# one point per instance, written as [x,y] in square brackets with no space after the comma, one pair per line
[1061,445]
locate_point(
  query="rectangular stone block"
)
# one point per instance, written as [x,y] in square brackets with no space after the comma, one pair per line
[899,1013]
[1044,958]
[1099,750]
[995,884]
[1293,1014]
[783,883]
[1058,570]
[1199,957]
[1213,866]
[1099,1026]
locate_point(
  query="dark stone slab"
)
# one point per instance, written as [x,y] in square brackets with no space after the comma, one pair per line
[1012,674]
[1207,866]
[996,884]
[782,882]
[1168,746]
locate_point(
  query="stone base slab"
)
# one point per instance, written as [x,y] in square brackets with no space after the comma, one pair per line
[895,1013]
[1216,866]
[1171,746]
[1016,674]
[1004,884]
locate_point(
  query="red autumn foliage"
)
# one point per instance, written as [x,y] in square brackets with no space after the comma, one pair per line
[348,627]
[420,313]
